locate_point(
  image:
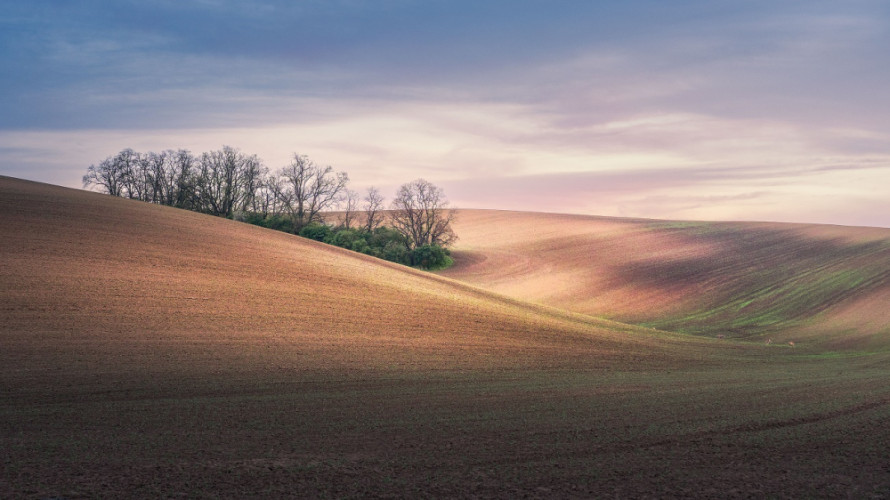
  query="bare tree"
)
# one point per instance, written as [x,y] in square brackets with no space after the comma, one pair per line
[165,178]
[227,181]
[373,206]
[182,179]
[132,170]
[265,203]
[350,206]
[155,168]
[420,212]
[107,175]
[170,175]
[126,168]
[127,174]
[305,189]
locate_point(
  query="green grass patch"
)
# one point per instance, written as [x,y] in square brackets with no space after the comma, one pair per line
[782,303]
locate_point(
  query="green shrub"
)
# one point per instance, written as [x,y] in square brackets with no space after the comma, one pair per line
[396,252]
[384,242]
[279,223]
[315,231]
[352,239]
[431,257]
[384,236]
[276,222]
[373,252]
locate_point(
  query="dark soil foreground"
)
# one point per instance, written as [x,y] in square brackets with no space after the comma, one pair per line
[468,435]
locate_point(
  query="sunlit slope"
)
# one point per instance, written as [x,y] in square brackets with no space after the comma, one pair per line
[735,279]
[108,285]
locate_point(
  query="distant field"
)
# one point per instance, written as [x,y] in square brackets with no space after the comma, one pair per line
[153,352]
[826,284]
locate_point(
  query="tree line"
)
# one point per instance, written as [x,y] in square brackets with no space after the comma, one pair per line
[299,198]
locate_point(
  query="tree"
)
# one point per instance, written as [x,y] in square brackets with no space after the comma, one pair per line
[152,167]
[305,189]
[420,212]
[166,178]
[350,205]
[227,181]
[160,177]
[181,179]
[108,176]
[373,205]
[265,203]
[128,165]
[171,177]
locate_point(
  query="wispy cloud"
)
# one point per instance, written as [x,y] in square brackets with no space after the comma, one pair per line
[655,109]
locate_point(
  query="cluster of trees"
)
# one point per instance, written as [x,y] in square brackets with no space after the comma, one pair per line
[299,198]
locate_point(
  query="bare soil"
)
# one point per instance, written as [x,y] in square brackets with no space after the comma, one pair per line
[150,352]
[758,280]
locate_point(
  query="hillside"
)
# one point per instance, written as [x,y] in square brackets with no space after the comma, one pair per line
[150,352]
[119,273]
[823,283]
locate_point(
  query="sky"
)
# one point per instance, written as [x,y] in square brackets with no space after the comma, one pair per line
[705,110]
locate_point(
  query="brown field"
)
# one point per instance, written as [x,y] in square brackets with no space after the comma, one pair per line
[153,352]
[751,280]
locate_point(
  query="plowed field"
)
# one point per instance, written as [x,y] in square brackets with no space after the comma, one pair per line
[151,352]
[747,280]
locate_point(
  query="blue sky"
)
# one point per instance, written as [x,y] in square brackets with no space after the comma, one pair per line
[748,110]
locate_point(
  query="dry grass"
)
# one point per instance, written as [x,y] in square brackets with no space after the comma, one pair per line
[151,352]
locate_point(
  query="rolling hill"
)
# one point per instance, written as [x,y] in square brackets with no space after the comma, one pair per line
[152,352]
[825,284]
[128,272]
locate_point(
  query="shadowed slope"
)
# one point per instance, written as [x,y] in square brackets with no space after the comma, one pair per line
[735,279]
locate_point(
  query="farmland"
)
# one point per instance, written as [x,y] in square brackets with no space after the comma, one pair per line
[744,280]
[149,351]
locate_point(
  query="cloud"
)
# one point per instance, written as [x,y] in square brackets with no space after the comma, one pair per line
[656,109]
[695,194]
[505,156]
